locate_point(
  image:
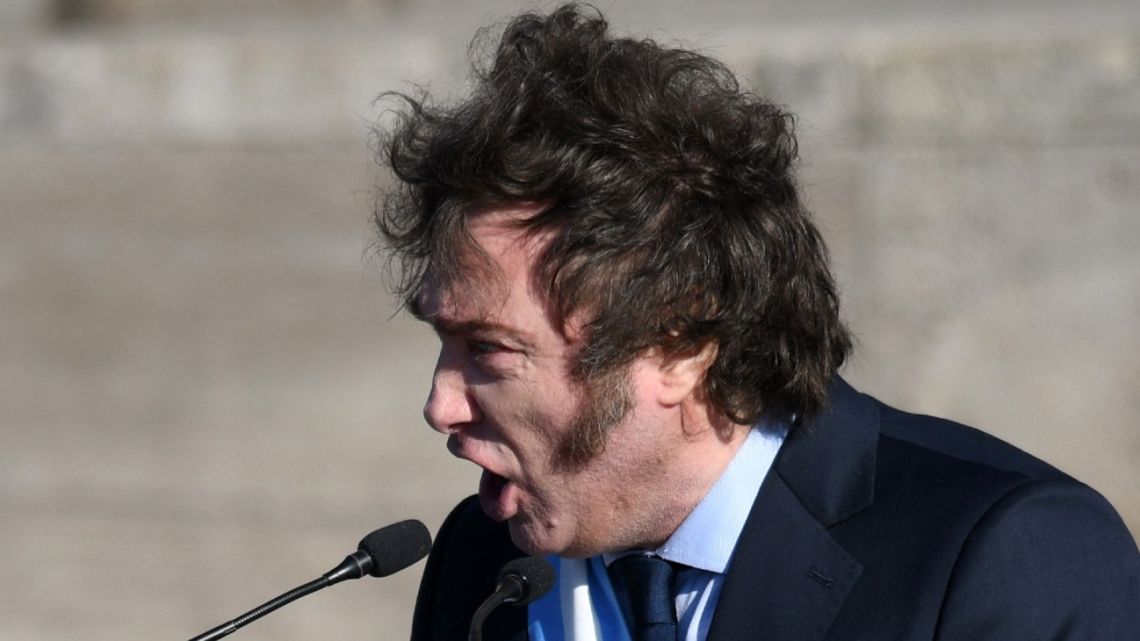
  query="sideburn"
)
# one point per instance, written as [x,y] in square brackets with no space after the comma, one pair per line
[606,399]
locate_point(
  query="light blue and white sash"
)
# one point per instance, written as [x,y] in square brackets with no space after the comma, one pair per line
[581,606]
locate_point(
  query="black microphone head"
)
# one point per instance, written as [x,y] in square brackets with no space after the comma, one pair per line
[396,546]
[536,574]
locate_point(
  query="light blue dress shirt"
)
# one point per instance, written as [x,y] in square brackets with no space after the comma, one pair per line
[705,540]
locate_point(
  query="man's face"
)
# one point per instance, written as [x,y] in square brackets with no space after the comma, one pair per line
[503,394]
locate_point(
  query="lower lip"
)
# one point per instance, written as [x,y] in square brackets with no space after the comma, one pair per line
[497,496]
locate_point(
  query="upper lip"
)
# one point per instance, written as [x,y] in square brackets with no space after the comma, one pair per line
[459,446]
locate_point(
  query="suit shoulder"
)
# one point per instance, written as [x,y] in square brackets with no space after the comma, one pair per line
[942,473]
[971,446]
[460,572]
[1052,557]
[987,541]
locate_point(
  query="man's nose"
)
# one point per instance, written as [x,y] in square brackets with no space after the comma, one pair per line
[449,406]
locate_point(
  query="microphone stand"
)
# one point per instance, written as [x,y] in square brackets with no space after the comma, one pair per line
[354,566]
[262,610]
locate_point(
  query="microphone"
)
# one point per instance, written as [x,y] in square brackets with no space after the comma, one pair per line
[386,551]
[520,582]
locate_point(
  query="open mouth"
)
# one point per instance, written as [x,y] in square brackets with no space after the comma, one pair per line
[495,494]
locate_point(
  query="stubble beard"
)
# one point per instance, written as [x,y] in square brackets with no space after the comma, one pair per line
[605,401]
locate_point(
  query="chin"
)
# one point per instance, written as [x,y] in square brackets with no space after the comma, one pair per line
[546,543]
[525,540]
[540,543]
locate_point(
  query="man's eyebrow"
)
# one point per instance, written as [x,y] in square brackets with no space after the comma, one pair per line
[460,327]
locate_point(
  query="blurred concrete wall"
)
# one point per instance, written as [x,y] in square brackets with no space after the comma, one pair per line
[204,400]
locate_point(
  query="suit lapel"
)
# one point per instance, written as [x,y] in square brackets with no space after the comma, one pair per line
[788,577]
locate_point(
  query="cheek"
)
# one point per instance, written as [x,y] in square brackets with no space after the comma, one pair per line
[529,423]
[544,428]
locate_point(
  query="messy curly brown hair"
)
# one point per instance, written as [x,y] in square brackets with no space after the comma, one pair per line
[669,193]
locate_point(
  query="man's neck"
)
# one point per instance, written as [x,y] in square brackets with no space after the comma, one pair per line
[707,450]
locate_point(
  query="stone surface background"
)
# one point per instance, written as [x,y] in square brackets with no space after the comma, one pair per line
[205,400]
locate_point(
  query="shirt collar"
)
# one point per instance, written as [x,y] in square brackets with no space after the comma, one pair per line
[708,535]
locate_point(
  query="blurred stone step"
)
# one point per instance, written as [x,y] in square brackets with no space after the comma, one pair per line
[142,88]
[213,12]
[22,16]
[304,86]
[976,90]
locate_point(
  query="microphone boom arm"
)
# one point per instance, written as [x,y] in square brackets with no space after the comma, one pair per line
[354,566]
[385,551]
[262,610]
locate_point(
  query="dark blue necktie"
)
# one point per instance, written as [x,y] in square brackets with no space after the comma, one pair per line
[648,582]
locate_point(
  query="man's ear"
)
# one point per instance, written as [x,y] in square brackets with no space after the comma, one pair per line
[680,374]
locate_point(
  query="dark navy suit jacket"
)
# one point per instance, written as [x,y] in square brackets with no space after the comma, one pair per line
[873,524]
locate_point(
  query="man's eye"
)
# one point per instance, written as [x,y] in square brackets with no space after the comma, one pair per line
[480,348]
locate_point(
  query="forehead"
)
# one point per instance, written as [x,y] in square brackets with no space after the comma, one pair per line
[497,280]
